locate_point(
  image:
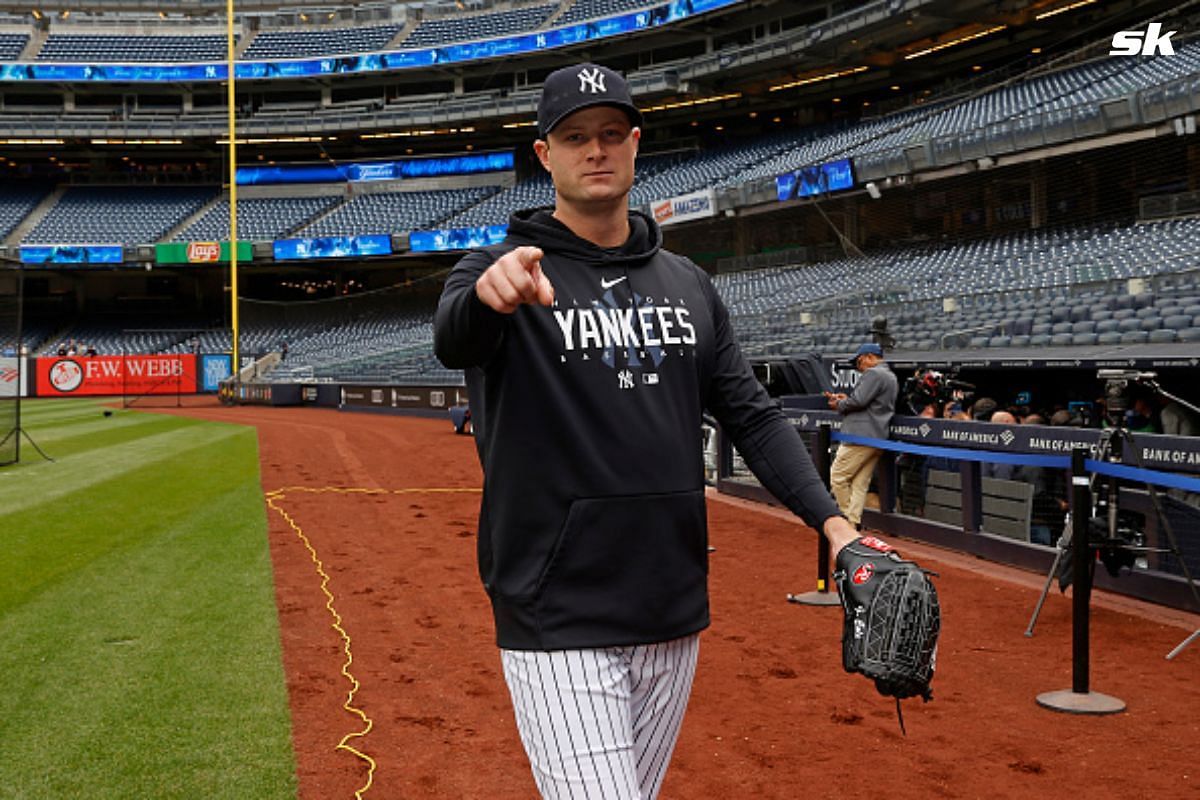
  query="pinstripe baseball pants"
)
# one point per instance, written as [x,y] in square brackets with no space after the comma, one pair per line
[600,724]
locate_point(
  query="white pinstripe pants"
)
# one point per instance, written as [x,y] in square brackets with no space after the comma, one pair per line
[600,724]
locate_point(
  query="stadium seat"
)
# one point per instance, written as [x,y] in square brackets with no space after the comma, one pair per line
[1107,326]
[1190,335]
[1000,341]
[1151,323]
[1130,324]
[1178,321]
[1134,337]
[1039,340]
[1020,341]
[1061,339]
[1086,326]
[1123,313]
[1163,335]
[1061,327]
[1083,338]
[1040,329]
[1111,337]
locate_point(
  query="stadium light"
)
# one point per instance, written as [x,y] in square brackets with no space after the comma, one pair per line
[1064,9]
[827,76]
[960,40]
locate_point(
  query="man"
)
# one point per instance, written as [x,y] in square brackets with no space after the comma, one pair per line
[867,412]
[992,469]
[590,355]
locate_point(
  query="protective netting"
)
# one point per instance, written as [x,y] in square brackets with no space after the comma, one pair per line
[10,390]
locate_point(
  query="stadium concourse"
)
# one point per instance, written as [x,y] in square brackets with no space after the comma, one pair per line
[772,713]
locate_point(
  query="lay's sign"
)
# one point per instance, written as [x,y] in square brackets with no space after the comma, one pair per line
[203,252]
[200,252]
[696,205]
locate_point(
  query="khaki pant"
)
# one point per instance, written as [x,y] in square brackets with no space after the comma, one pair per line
[850,477]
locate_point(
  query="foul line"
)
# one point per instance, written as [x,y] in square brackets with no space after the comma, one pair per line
[278,495]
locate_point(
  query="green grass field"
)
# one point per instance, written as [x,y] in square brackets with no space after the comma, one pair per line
[139,644]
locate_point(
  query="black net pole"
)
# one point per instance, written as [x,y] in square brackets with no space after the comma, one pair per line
[822,596]
[1081,566]
[824,468]
[1079,699]
[16,431]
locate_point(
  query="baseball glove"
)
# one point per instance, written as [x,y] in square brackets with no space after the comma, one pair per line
[892,618]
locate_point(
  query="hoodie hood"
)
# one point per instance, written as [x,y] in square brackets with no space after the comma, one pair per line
[537,226]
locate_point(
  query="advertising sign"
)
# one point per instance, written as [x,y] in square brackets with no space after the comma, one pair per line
[416,398]
[362,171]
[72,254]
[501,47]
[200,252]
[214,368]
[695,205]
[809,181]
[333,247]
[70,376]
[13,381]
[456,238]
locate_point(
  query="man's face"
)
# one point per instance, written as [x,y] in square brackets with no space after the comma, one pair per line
[590,156]
[866,361]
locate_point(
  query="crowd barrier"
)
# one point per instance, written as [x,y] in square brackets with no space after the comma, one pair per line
[983,516]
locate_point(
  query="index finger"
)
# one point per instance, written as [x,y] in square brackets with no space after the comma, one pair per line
[528,256]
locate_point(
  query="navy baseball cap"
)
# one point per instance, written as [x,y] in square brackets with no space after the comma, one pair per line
[582,86]
[869,349]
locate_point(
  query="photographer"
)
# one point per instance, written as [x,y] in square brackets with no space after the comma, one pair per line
[867,411]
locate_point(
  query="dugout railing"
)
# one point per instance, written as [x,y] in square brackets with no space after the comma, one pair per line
[968,503]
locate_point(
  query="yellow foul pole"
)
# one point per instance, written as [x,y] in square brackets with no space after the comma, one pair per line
[233,231]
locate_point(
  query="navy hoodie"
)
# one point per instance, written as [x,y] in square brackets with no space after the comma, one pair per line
[587,414]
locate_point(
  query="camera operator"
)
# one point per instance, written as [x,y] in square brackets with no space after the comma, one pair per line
[867,411]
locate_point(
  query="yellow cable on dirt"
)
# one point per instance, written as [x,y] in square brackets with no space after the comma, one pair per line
[273,499]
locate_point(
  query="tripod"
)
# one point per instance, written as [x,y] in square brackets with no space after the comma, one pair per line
[1113,543]
[17,431]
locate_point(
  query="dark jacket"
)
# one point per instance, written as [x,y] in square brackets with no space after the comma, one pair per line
[587,415]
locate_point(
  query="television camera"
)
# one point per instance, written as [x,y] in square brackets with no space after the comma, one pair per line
[931,387]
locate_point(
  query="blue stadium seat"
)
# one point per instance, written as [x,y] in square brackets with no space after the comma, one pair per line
[1163,335]
[1130,324]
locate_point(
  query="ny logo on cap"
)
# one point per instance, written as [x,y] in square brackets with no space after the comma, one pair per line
[592,81]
